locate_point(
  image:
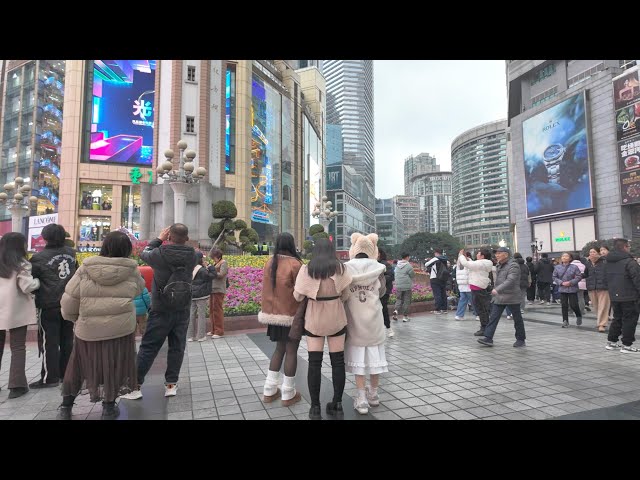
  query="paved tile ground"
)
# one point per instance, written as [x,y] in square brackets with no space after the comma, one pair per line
[437,372]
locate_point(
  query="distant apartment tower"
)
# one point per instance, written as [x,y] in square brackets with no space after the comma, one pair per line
[423,179]
[480,185]
[350,104]
[389,226]
[408,208]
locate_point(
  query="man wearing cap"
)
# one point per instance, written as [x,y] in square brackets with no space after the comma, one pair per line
[506,293]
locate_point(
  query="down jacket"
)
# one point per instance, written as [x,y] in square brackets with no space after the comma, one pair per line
[567,273]
[17,306]
[507,285]
[99,298]
[479,271]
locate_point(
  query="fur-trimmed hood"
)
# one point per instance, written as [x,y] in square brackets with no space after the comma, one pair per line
[364,271]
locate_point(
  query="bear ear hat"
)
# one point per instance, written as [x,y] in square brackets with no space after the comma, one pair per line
[374,238]
[355,236]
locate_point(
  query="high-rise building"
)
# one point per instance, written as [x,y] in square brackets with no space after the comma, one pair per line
[350,104]
[480,186]
[423,179]
[572,155]
[408,208]
[389,226]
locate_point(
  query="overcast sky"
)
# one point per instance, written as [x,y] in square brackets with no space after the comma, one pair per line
[422,105]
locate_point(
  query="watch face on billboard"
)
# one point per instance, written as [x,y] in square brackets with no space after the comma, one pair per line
[122,116]
[556,157]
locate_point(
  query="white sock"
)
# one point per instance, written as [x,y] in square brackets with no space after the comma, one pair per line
[362,395]
[288,388]
[373,391]
[271,383]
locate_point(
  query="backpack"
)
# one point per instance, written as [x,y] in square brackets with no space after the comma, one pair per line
[442,273]
[176,295]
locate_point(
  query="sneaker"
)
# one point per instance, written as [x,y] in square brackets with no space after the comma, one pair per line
[530,303]
[189,339]
[209,334]
[579,321]
[361,406]
[542,302]
[390,333]
[133,395]
[202,339]
[478,318]
[41,384]
[479,333]
[406,319]
[565,324]
[519,343]
[395,315]
[437,312]
[486,341]
[457,318]
[509,317]
[374,400]
[64,412]
[216,336]
[170,390]
[629,349]
[612,345]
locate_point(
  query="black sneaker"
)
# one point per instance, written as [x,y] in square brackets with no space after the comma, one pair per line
[519,343]
[110,411]
[41,384]
[315,413]
[579,321]
[486,341]
[334,408]
[479,333]
[17,392]
[64,412]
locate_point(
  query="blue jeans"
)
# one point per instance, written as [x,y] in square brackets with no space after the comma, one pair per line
[465,299]
[494,319]
[164,325]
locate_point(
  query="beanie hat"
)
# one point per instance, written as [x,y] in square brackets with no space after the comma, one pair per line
[364,244]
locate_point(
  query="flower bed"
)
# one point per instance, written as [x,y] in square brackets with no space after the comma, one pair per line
[419,293]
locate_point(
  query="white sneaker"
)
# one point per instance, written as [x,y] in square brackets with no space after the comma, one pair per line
[629,349]
[395,315]
[509,317]
[202,339]
[361,406]
[374,400]
[406,319]
[133,395]
[478,318]
[171,390]
[189,339]
[390,333]
[458,318]
[530,303]
[216,336]
[209,334]
[612,345]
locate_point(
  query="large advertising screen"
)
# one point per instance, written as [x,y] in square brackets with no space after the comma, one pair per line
[122,117]
[556,157]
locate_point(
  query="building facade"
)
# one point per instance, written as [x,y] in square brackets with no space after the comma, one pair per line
[571,156]
[423,179]
[389,226]
[408,209]
[480,193]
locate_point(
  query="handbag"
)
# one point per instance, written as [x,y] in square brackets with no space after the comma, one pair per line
[297,326]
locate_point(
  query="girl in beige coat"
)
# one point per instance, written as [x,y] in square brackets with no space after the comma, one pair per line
[325,283]
[99,299]
[17,306]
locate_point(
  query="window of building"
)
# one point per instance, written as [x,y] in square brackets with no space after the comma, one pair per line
[191,124]
[543,73]
[94,229]
[191,73]
[544,96]
[582,76]
[96,197]
[131,202]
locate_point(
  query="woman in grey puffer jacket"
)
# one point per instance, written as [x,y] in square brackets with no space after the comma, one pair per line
[567,276]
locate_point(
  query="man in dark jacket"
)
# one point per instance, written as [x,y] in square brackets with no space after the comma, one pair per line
[524,282]
[54,267]
[531,291]
[623,279]
[165,321]
[438,271]
[544,275]
[389,277]
[506,292]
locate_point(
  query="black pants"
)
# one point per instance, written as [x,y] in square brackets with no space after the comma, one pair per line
[625,320]
[565,300]
[385,310]
[531,292]
[55,342]
[482,304]
[160,326]
[439,296]
[544,291]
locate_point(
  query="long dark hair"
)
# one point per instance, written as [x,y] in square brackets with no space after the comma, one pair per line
[13,252]
[324,262]
[116,244]
[285,245]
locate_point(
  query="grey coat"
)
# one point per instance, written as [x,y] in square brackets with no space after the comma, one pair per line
[508,283]
[567,273]
[404,276]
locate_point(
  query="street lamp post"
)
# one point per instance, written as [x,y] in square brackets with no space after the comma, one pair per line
[536,247]
[181,180]
[16,202]
[324,213]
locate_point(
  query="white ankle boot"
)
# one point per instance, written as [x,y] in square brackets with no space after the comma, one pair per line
[271,390]
[289,393]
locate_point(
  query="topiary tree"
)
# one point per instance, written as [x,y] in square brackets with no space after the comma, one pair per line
[224,230]
[315,229]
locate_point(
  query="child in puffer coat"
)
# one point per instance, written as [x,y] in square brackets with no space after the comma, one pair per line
[143,305]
